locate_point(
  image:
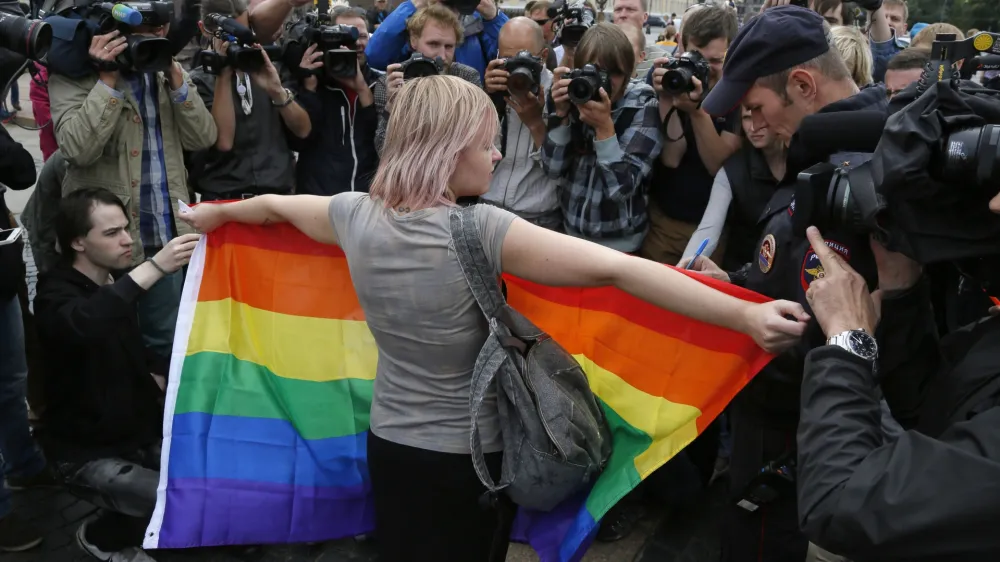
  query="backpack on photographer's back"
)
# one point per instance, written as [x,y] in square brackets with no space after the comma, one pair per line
[555,434]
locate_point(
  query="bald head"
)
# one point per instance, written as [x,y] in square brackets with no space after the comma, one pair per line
[521,34]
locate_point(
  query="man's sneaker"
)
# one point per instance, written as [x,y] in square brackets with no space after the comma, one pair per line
[17,535]
[46,478]
[130,554]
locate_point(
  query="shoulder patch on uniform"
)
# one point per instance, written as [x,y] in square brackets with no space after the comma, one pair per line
[812,269]
[765,257]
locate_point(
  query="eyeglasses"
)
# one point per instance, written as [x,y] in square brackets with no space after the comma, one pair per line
[542,22]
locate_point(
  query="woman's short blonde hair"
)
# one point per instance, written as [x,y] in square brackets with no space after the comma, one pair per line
[433,120]
[856,52]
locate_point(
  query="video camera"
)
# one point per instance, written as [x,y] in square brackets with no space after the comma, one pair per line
[338,44]
[524,73]
[243,53]
[585,84]
[78,24]
[936,166]
[26,37]
[682,70]
[571,19]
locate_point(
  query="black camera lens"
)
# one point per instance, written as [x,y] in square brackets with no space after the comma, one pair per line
[678,81]
[420,69]
[246,59]
[521,81]
[972,156]
[341,63]
[29,38]
[148,54]
[583,89]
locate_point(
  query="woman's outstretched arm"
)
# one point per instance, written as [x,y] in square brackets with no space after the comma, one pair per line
[309,213]
[554,259]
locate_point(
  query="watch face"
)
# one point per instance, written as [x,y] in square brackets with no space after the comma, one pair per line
[863,345]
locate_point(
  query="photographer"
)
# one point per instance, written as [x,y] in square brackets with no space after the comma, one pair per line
[695,144]
[339,153]
[936,484]
[602,145]
[253,113]
[434,33]
[477,40]
[127,131]
[519,182]
[782,67]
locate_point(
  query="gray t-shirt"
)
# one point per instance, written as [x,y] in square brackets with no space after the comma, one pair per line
[423,316]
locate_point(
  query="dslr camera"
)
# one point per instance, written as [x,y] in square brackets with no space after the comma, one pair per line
[571,20]
[26,37]
[936,166]
[525,73]
[585,84]
[682,70]
[243,53]
[338,44]
[463,7]
[418,66]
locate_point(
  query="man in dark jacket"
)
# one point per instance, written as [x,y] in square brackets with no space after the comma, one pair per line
[339,153]
[103,418]
[20,459]
[932,493]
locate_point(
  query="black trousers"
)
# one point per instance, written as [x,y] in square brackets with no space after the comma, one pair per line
[427,506]
[771,534]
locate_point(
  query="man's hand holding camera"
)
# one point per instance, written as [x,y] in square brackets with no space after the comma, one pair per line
[268,79]
[839,296]
[487,9]
[393,80]
[597,114]
[560,92]
[527,105]
[689,102]
[311,61]
[105,49]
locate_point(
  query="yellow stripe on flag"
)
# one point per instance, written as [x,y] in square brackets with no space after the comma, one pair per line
[650,414]
[294,347]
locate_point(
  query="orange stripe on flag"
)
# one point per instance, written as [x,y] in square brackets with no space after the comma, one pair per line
[656,364]
[292,284]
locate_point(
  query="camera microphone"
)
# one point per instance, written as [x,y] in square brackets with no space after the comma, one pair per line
[824,134]
[123,13]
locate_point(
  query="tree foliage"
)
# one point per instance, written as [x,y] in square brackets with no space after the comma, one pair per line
[983,15]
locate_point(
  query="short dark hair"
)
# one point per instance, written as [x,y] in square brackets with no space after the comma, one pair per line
[846,12]
[912,58]
[707,24]
[73,218]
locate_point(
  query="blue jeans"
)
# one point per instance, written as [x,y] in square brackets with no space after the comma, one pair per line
[158,314]
[19,456]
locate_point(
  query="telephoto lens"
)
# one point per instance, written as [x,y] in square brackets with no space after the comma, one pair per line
[29,38]
[972,157]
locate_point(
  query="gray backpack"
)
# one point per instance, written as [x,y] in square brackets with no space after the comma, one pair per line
[556,438]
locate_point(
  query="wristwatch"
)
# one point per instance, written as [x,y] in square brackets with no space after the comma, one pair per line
[858,342]
[289,98]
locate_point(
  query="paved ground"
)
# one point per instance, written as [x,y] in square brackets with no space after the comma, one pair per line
[659,537]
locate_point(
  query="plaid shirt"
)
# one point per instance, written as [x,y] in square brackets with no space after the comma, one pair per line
[602,192]
[156,221]
[381,95]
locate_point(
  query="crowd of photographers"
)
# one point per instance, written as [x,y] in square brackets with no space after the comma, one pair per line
[686,151]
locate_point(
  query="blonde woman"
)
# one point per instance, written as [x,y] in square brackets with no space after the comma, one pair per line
[426,323]
[857,53]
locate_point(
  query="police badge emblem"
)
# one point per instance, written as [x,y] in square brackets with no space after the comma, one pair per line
[765,258]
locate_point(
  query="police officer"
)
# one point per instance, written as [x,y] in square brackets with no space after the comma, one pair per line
[782,67]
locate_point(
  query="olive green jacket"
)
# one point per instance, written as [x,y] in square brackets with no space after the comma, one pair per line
[101,138]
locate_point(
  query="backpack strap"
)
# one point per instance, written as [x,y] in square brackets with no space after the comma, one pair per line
[483,282]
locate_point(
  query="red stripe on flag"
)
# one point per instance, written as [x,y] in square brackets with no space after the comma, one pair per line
[282,237]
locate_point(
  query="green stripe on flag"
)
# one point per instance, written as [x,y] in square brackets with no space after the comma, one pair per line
[220,384]
[620,476]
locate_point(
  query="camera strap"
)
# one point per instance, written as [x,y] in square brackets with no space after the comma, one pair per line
[245,91]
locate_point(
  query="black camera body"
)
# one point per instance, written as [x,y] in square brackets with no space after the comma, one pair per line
[144,54]
[338,43]
[26,37]
[418,66]
[572,20]
[682,70]
[524,73]
[243,53]
[586,83]
[464,7]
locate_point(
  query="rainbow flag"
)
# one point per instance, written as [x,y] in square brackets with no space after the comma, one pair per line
[271,383]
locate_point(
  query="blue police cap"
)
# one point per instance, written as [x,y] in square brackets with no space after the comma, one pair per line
[778,39]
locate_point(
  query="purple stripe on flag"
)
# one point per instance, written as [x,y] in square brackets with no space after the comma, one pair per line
[215,512]
[560,535]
